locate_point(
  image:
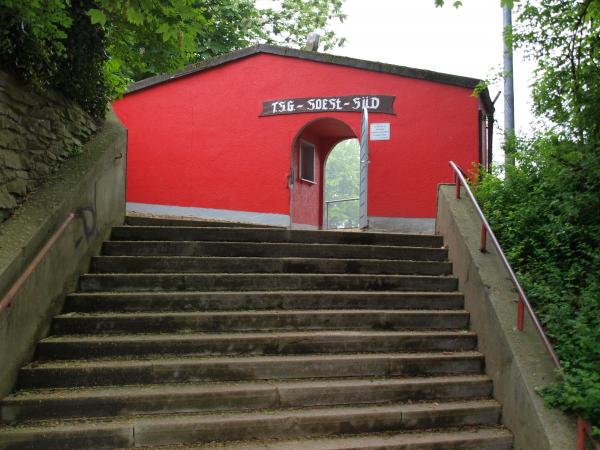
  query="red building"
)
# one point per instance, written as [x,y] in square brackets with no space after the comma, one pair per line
[221,139]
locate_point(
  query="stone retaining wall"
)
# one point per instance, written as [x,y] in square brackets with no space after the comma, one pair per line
[38,131]
[91,185]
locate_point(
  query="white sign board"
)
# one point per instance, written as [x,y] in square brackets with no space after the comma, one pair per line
[380,132]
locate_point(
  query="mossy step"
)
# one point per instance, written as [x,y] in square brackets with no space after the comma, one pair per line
[260,281]
[260,300]
[220,321]
[254,343]
[176,429]
[155,399]
[178,233]
[271,250]
[464,438]
[181,264]
[193,368]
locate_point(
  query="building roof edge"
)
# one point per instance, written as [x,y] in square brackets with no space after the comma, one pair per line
[403,71]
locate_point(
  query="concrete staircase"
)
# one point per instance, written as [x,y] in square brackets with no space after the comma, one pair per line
[200,335]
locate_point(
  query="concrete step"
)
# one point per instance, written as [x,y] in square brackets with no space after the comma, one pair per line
[165,369]
[259,300]
[465,438]
[206,335]
[166,430]
[269,343]
[172,233]
[266,282]
[185,398]
[271,250]
[189,322]
[173,222]
[182,264]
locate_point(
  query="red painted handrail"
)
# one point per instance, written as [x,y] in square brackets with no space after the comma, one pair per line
[18,284]
[583,427]
[459,179]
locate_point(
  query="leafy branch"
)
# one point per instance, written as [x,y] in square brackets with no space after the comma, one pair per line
[134,39]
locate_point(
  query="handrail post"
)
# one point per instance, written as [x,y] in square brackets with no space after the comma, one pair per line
[580,434]
[482,246]
[457,182]
[520,313]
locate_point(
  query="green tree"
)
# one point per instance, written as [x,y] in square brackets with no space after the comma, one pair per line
[52,43]
[563,38]
[145,38]
[125,40]
[545,209]
[290,23]
[342,173]
[546,214]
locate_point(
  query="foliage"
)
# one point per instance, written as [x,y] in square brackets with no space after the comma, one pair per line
[145,37]
[291,23]
[230,24]
[342,170]
[458,3]
[91,49]
[234,24]
[440,3]
[53,44]
[545,209]
[563,38]
[152,38]
[31,37]
[80,74]
[342,174]
[547,217]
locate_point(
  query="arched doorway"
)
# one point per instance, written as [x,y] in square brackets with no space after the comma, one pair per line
[309,151]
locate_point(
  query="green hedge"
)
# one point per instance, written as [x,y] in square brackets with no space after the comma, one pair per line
[546,214]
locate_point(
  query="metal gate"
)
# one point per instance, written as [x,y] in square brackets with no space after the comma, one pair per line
[363,220]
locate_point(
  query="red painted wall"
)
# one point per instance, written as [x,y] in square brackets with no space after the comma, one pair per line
[199,140]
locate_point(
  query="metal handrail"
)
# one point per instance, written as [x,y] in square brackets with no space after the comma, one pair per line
[328,202]
[18,284]
[583,427]
[343,200]
[487,230]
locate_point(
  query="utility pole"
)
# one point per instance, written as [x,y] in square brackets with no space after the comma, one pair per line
[509,93]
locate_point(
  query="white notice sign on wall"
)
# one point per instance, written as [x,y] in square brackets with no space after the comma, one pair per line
[380,132]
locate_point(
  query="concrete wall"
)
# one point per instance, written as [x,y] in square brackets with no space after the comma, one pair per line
[517,361]
[38,131]
[92,183]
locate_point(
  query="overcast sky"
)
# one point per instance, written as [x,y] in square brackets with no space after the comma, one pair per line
[465,41]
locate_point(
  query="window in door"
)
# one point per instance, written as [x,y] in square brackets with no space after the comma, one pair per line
[307,162]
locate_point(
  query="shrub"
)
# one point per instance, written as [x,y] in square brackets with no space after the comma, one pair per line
[53,44]
[545,211]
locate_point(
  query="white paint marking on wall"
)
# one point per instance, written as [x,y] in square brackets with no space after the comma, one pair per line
[280,220]
[402,224]
[380,131]
[303,226]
